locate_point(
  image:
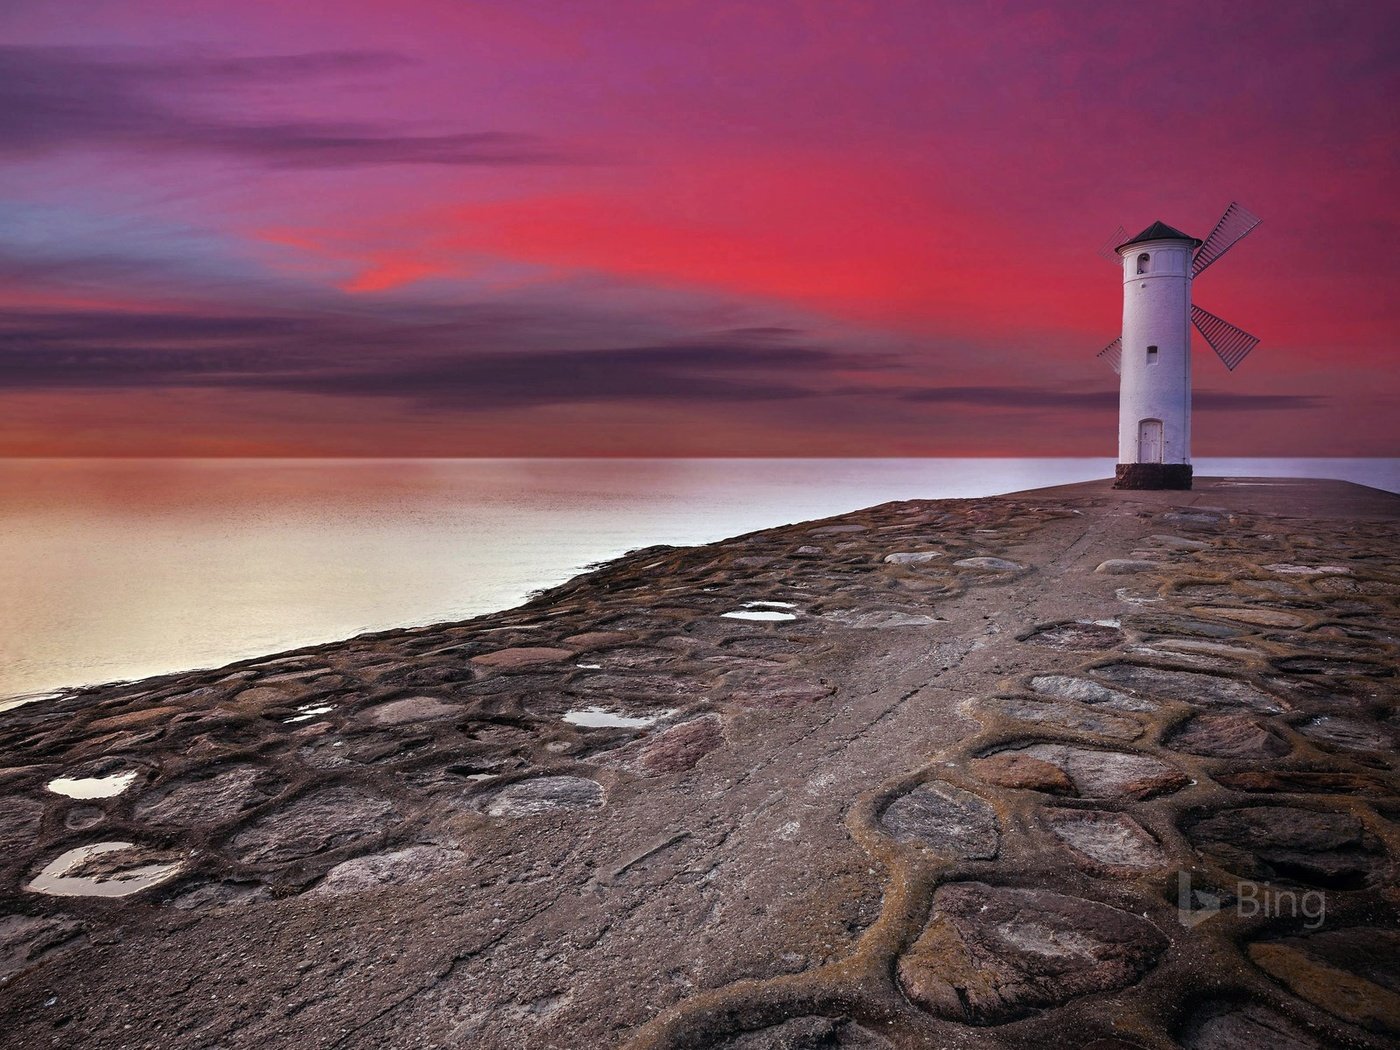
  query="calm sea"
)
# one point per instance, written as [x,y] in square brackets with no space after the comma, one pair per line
[119,569]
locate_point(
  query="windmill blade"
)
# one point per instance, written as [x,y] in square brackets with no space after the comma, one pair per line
[1106,249]
[1230,344]
[1229,231]
[1112,354]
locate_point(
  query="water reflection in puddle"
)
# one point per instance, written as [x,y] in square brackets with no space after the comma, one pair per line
[119,882]
[602,718]
[10,703]
[763,611]
[92,787]
[307,711]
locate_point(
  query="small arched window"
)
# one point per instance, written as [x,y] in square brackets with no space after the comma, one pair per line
[1143,260]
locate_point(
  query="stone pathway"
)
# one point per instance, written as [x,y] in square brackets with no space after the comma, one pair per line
[1079,769]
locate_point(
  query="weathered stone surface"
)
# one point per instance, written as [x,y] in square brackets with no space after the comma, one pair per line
[1106,843]
[1257,615]
[1333,666]
[990,564]
[1086,637]
[1125,566]
[596,639]
[1065,713]
[1095,773]
[1227,736]
[412,709]
[913,557]
[1353,973]
[1294,569]
[26,940]
[1307,782]
[945,819]
[681,747]
[313,824]
[1338,731]
[1191,687]
[879,619]
[807,1033]
[541,795]
[1081,690]
[1013,770]
[522,656]
[990,954]
[1291,846]
[397,868]
[1176,625]
[1243,1026]
[208,799]
[1180,543]
[837,530]
[221,893]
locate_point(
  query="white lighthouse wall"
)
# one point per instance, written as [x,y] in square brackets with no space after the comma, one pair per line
[1156,312]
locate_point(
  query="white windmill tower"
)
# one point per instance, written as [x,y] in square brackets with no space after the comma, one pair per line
[1153,355]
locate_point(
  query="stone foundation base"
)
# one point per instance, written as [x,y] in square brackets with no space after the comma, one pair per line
[1153,476]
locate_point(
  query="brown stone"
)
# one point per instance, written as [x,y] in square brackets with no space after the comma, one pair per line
[521,656]
[1013,770]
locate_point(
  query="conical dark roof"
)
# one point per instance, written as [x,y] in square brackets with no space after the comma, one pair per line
[1160,231]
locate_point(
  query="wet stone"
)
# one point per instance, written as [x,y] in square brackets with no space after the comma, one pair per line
[944,819]
[1302,781]
[1333,666]
[806,1033]
[1081,690]
[1179,626]
[1227,736]
[1095,773]
[1290,846]
[397,868]
[105,869]
[879,619]
[313,824]
[1076,636]
[543,795]
[991,954]
[1352,973]
[1338,731]
[1106,843]
[210,799]
[1068,714]
[1242,1026]
[1192,687]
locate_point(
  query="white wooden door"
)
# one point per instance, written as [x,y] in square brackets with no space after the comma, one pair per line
[1150,441]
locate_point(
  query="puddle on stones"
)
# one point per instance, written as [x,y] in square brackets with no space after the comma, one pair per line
[763,611]
[109,879]
[602,718]
[309,711]
[92,787]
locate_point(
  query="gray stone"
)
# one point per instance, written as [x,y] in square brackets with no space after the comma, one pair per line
[397,868]
[912,557]
[1083,691]
[1106,843]
[541,795]
[990,564]
[1191,687]
[412,709]
[991,954]
[1065,713]
[1095,773]
[807,1033]
[313,824]
[1292,846]
[945,819]
[1125,566]
[211,799]
[27,940]
[1242,1026]
[1227,736]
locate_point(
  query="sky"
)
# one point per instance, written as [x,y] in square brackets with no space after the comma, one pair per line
[572,228]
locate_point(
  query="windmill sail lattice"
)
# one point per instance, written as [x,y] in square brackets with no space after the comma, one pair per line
[1229,231]
[1230,344]
[1112,354]
[1109,249]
